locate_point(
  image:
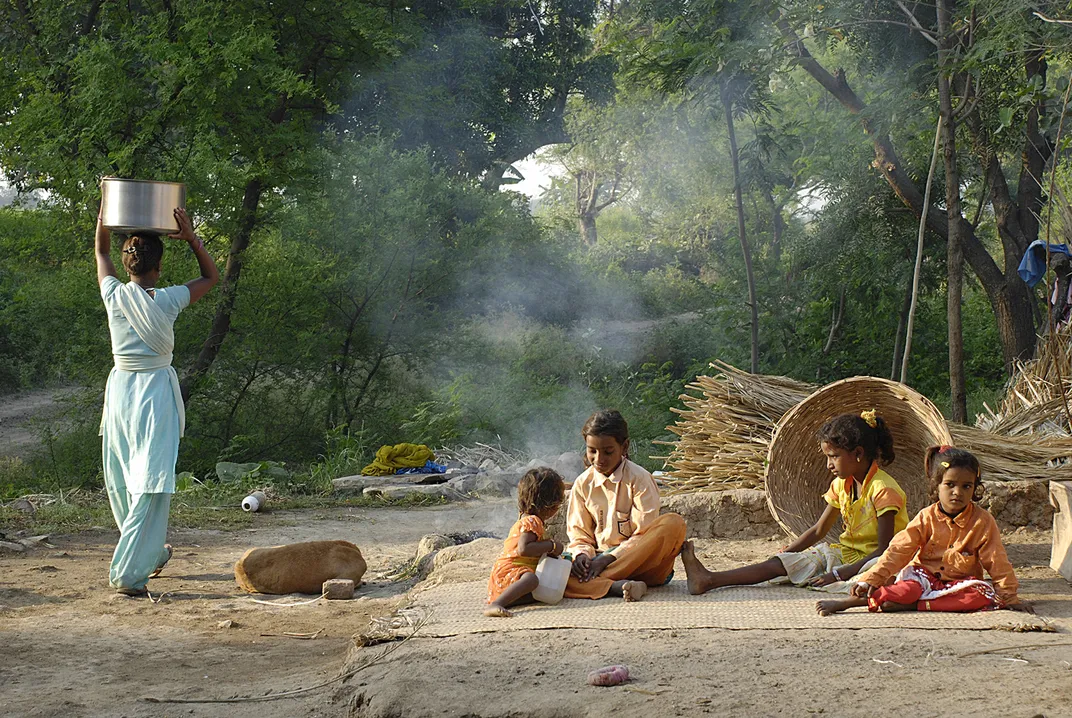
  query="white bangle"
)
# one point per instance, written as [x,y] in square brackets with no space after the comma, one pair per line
[836,575]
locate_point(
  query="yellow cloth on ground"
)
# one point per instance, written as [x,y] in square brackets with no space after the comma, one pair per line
[389,459]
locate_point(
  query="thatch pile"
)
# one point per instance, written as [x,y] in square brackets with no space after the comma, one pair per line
[728,422]
[1033,402]
[726,430]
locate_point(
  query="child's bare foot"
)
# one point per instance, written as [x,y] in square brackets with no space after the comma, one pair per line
[891,607]
[836,605]
[496,611]
[634,590]
[699,579]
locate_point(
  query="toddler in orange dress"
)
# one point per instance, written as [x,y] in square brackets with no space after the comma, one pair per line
[513,577]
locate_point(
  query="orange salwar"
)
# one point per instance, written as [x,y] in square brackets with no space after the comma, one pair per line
[648,556]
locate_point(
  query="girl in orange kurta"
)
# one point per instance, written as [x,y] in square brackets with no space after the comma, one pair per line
[513,577]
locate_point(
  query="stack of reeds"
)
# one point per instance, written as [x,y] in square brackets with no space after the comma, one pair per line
[1033,403]
[729,418]
[726,429]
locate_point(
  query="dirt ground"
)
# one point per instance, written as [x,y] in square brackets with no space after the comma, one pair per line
[69,647]
[18,412]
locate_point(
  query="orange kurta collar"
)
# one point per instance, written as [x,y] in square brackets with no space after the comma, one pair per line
[963,519]
[614,477]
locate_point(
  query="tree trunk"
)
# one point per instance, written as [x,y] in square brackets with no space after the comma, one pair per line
[586,222]
[221,323]
[954,253]
[836,314]
[727,106]
[777,225]
[1009,296]
[901,322]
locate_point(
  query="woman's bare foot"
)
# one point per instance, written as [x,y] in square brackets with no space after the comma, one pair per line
[496,611]
[891,607]
[699,579]
[836,605]
[634,590]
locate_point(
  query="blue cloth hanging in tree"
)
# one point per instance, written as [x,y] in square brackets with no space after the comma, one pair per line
[1033,265]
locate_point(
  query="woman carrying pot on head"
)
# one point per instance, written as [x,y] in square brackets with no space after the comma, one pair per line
[143,409]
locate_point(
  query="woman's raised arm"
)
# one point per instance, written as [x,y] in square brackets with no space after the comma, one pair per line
[210,274]
[102,242]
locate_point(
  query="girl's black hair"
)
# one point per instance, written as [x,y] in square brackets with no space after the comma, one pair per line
[539,489]
[607,422]
[142,253]
[940,459]
[851,430]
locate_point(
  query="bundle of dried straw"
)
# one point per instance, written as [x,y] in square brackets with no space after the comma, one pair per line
[1033,403]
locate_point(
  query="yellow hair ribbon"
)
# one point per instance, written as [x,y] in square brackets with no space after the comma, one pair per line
[870,418]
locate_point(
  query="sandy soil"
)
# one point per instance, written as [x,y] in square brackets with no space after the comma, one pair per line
[72,648]
[19,411]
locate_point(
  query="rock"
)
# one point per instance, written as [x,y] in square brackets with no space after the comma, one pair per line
[357,484]
[733,513]
[445,491]
[23,505]
[35,541]
[1018,503]
[426,478]
[432,543]
[460,470]
[570,465]
[12,546]
[338,589]
[489,465]
[464,562]
[483,485]
[226,623]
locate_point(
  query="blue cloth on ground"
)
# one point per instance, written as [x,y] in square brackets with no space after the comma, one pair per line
[430,467]
[1033,265]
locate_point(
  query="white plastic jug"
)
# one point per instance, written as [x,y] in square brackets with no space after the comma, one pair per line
[553,574]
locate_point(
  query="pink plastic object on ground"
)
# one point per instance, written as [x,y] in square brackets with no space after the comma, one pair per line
[609,676]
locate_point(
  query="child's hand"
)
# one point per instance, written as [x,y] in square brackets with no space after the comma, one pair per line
[862,590]
[1022,607]
[580,566]
[825,580]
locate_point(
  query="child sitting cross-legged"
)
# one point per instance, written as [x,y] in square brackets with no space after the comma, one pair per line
[513,577]
[938,560]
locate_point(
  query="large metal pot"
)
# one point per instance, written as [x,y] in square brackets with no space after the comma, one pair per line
[131,206]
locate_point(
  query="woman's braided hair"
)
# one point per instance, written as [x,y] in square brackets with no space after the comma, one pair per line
[540,488]
[142,254]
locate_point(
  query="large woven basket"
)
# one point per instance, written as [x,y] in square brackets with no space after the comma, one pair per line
[797,477]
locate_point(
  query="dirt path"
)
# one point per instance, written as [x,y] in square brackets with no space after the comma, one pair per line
[17,413]
[71,648]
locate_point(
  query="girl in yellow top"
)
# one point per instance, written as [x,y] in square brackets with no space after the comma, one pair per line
[513,577]
[870,502]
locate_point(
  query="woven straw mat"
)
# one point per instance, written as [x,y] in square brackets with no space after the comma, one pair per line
[797,476]
[456,608]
